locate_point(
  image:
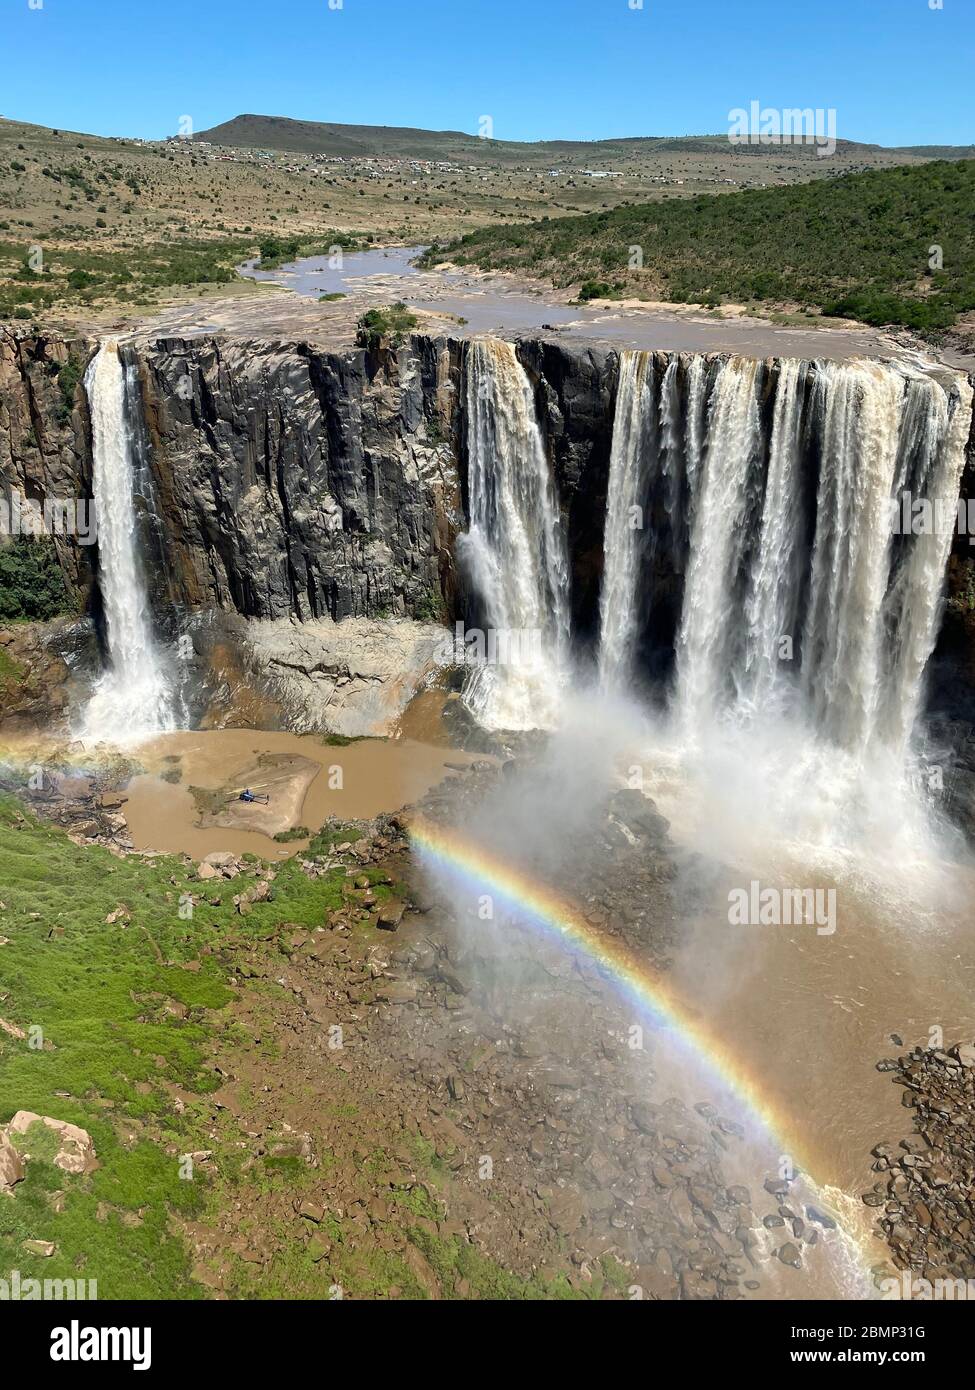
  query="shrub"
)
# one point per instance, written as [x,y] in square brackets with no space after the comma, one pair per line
[68,375]
[390,325]
[32,586]
[594,289]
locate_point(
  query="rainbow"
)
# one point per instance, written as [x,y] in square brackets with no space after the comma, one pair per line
[540,907]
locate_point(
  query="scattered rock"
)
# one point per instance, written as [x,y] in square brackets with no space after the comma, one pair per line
[44,1248]
[11,1164]
[390,915]
[925,1200]
[77,1151]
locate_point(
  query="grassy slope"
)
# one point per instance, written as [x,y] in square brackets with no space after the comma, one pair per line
[98,992]
[113,1055]
[856,246]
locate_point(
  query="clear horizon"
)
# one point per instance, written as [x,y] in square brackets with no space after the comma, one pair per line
[572,70]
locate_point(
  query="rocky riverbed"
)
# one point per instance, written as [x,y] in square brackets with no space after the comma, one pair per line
[485,1095]
[924,1195]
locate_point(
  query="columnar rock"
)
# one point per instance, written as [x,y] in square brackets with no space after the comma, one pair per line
[292,481]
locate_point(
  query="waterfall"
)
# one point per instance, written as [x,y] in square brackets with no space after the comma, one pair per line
[797,597]
[842,642]
[773,596]
[622,594]
[915,599]
[709,624]
[132,699]
[514,550]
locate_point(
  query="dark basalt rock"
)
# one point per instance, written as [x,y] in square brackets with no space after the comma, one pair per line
[928,1216]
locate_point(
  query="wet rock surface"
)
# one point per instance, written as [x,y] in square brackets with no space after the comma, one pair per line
[924,1197]
[45,431]
[354,678]
[296,481]
[43,670]
[88,805]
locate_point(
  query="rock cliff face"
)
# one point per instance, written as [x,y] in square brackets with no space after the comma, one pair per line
[45,433]
[292,481]
[297,480]
[288,480]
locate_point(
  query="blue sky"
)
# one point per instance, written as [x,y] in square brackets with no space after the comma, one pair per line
[896,71]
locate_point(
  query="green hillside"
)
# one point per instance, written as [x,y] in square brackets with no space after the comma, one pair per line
[857,246]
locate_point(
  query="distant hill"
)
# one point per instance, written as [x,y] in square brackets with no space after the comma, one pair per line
[329,138]
[860,246]
[936,151]
[316,137]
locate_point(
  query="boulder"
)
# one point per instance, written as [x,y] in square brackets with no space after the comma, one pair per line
[77,1151]
[44,1248]
[390,915]
[397,991]
[11,1165]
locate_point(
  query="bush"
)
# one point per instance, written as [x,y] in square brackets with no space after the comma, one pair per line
[275,250]
[594,289]
[32,586]
[69,375]
[390,324]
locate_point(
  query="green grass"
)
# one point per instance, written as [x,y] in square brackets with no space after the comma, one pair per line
[454,1261]
[94,276]
[97,993]
[857,246]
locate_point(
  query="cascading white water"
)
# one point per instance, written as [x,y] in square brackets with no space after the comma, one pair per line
[695,422]
[914,601]
[772,602]
[132,699]
[805,625]
[794,595]
[655,458]
[710,622]
[842,638]
[621,596]
[514,550]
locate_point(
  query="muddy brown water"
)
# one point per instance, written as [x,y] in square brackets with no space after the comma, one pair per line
[307,780]
[807,1016]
